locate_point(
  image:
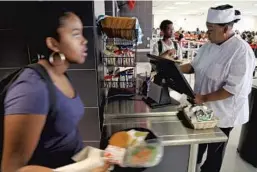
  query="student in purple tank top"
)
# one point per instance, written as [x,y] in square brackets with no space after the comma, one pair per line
[34,142]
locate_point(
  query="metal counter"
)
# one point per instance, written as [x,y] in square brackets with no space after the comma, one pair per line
[166,122]
[171,130]
[136,108]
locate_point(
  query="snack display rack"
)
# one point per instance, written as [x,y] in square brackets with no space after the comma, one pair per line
[119,59]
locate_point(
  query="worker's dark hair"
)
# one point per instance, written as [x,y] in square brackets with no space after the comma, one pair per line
[237,13]
[47,18]
[164,24]
[225,7]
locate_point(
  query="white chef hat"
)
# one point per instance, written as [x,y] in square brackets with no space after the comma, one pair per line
[217,16]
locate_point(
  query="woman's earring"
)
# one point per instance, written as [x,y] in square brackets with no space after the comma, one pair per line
[52,57]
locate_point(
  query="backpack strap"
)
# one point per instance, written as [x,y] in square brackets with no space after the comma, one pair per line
[50,86]
[160,46]
[175,45]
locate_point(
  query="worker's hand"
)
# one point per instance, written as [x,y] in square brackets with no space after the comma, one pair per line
[199,99]
[102,169]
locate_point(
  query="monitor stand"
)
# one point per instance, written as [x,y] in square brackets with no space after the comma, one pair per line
[158,96]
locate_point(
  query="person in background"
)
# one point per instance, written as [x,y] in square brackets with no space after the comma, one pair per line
[237,32]
[198,32]
[223,71]
[33,140]
[180,30]
[249,38]
[181,36]
[200,38]
[167,47]
[244,36]
[255,38]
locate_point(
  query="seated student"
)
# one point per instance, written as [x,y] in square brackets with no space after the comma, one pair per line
[167,47]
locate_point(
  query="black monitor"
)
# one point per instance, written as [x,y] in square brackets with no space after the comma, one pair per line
[168,70]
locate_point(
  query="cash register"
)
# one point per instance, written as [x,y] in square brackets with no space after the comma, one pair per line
[167,76]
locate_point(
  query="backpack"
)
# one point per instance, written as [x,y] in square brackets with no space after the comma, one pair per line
[7,81]
[160,46]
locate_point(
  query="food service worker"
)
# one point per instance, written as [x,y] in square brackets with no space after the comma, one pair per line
[223,71]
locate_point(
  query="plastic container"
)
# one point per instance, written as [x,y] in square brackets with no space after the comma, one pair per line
[148,154]
[117,168]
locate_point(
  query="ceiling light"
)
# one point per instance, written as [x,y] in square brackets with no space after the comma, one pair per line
[192,11]
[182,3]
[162,11]
[203,8]
[185,13]
[247,12]
[171,8]
[159,14]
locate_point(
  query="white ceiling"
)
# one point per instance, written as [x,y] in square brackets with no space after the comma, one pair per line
[194,7]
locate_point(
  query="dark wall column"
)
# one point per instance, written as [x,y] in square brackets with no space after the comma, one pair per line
[111,8]
[143,11]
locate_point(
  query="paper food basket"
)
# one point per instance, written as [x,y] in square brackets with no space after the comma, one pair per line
[200,125]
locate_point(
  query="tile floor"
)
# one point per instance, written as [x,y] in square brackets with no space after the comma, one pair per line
[232,161]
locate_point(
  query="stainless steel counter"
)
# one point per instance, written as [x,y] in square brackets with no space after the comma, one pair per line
[136,108]
[168,124]
[164,122]
[171,130]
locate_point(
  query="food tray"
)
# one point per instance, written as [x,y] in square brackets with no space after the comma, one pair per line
[200,125]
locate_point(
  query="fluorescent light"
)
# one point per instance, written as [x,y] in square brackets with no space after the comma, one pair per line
[203,8]
[182,3]
[162,11]
[185,13]
[192,11]
[159,13]
[247,12]
[171,8]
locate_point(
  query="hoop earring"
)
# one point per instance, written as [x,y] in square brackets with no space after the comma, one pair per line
[61,56]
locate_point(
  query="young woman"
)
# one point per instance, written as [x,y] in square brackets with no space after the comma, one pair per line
[32,137]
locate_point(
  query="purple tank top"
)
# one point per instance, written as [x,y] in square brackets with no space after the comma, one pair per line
[60,139]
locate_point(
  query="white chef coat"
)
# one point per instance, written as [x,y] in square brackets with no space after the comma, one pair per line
[229,66]
[166,47]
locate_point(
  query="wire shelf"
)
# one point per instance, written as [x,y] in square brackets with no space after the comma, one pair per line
[120,42]
[119,50]
[119,84]
[119,61]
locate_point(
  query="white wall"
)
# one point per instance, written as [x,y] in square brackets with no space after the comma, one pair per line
[190,23]
[99,7]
